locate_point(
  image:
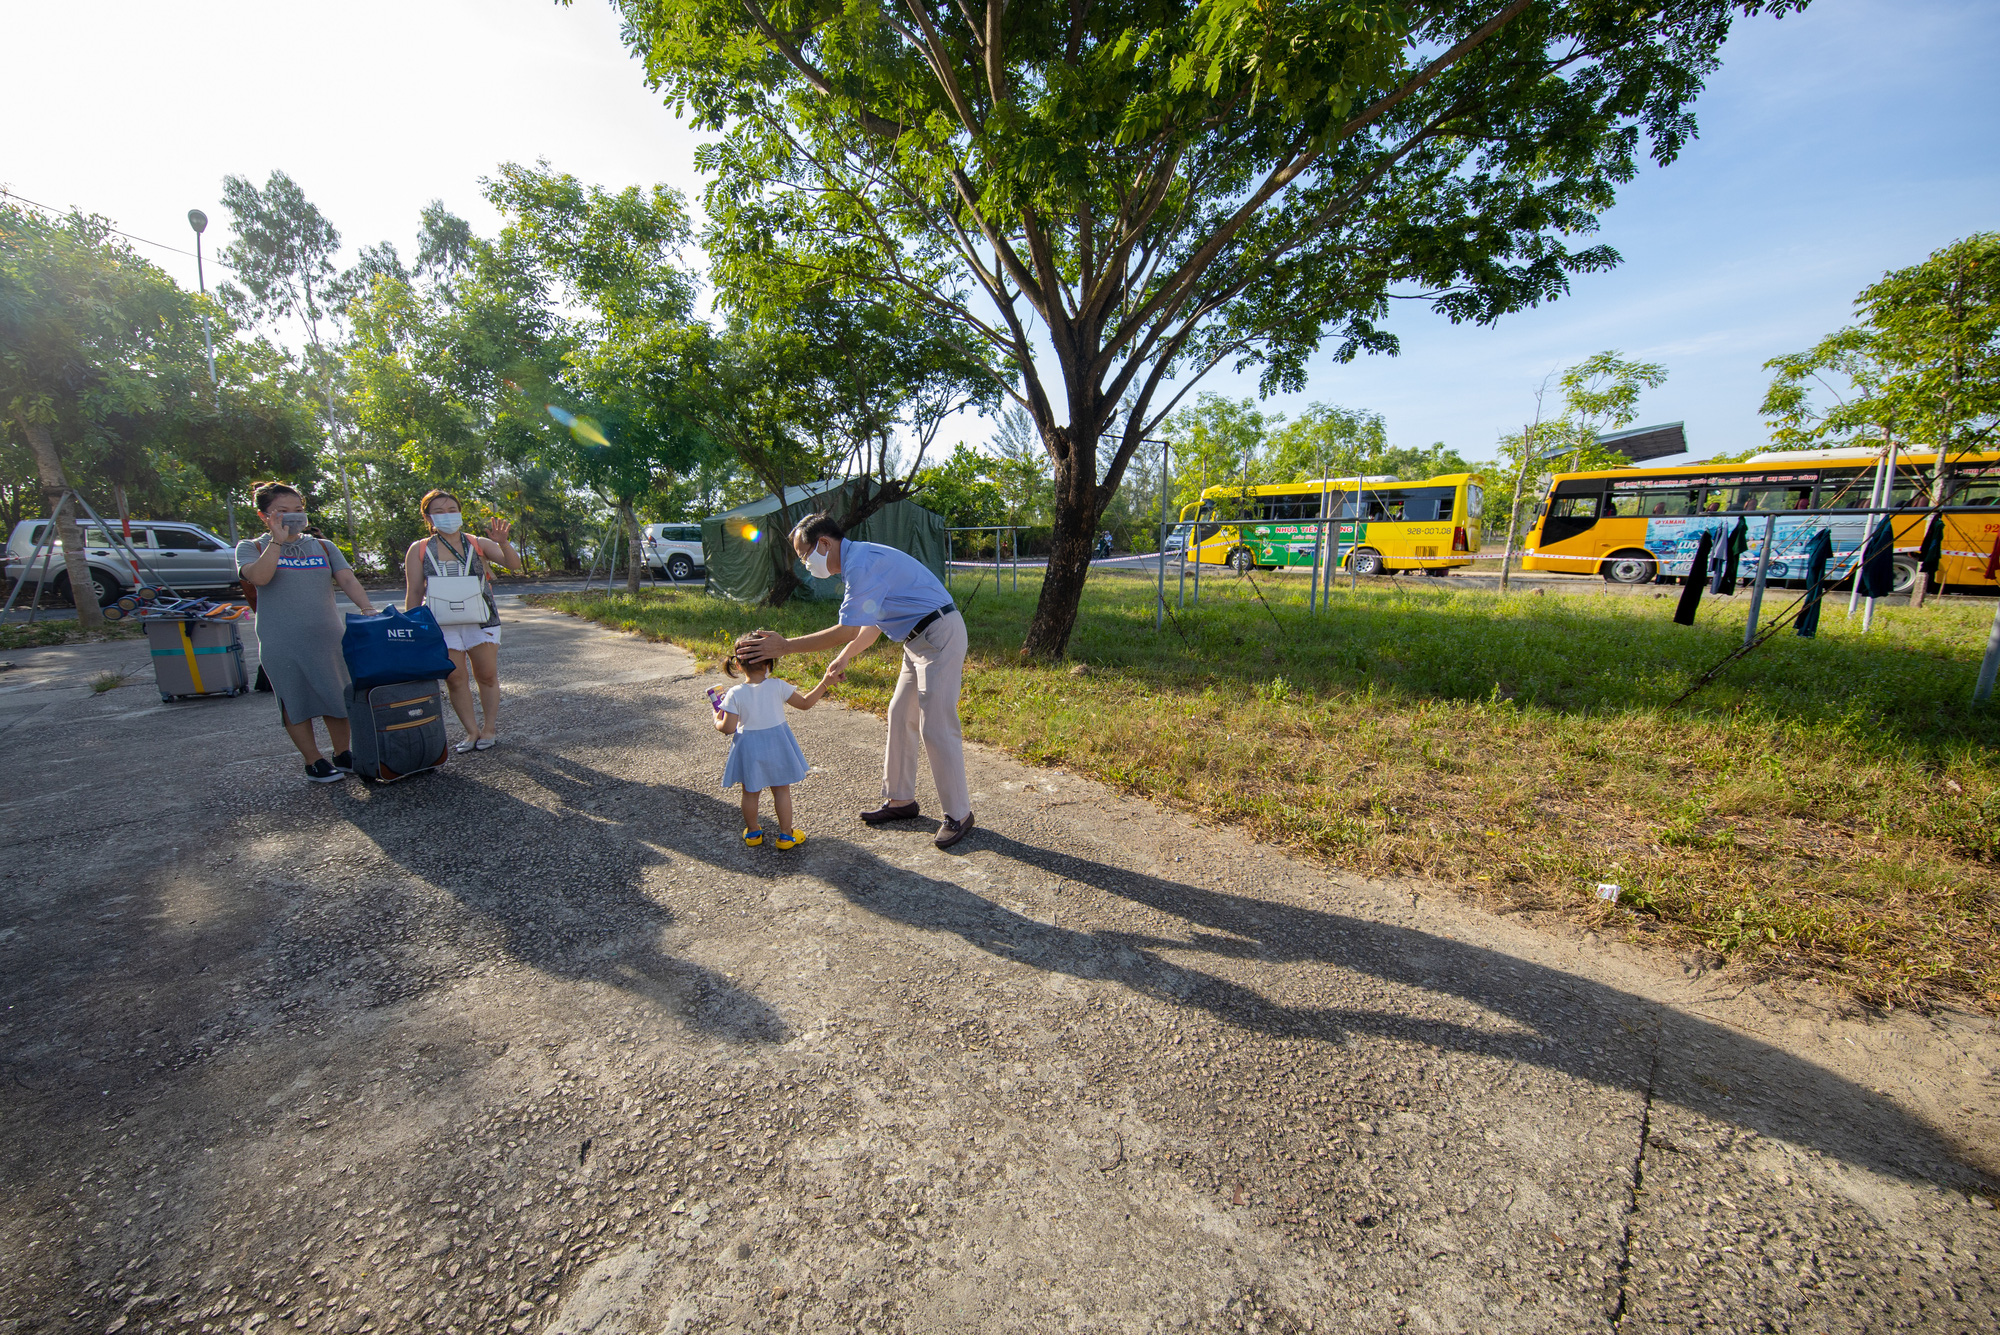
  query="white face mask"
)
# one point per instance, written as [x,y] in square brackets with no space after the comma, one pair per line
[447,523]
[816,563]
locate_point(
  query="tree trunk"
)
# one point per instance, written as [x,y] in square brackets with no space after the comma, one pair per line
[785,579]
[49,464]
[1075,531]
[633,556]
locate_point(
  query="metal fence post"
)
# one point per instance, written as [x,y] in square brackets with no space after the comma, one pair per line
[1757,589]
[1160,591]
[1194,540]
[1989,666]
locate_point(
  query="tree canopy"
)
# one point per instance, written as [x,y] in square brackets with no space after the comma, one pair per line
[1923,361]
[1115,198]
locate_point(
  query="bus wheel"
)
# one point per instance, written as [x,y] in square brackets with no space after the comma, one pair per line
[1242,561]
[1630,568]
[1906,575]
[1367,561]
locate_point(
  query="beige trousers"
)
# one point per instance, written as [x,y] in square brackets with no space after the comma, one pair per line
[925,708]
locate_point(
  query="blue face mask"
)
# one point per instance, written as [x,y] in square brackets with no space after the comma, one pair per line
[447,523]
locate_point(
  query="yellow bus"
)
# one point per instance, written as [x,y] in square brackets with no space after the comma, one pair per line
[1387,525]
[1635,525]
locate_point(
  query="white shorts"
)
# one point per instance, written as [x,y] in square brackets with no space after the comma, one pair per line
[462,638]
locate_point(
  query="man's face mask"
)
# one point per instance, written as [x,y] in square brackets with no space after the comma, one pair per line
[447,523]
[816,563]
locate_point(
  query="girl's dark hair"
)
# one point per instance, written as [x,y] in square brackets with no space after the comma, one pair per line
[735,666]
[814,527]
[267,492]
[435,493]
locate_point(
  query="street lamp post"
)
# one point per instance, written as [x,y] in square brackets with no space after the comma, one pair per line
[199,221]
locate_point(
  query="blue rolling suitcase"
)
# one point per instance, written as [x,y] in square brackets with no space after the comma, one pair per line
[398,730]
[396,704]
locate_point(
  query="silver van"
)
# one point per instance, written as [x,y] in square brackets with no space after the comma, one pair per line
[673,550]
[186,556]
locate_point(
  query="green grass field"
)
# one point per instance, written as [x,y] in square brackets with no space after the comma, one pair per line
[40,634]
[1825,808]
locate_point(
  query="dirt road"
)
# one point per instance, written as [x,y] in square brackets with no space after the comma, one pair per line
[535,1044]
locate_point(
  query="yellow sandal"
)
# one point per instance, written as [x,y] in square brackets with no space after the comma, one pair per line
[792,840]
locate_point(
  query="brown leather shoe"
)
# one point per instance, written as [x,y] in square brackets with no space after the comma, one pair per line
[889,811]
[952,831]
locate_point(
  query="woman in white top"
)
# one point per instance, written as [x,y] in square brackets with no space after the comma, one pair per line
[447,551]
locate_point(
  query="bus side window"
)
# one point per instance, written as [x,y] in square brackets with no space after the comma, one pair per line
[1622,504]
[1574,507]
[1982,491]
[1668,501]
[1845,491]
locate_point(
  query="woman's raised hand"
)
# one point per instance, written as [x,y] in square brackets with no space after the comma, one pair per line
[498,529]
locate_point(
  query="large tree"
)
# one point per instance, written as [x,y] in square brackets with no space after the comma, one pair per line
[450,370]
[1923,361]
[1117,197]
[806,385]
[283,253]
[628,393]
[98,354]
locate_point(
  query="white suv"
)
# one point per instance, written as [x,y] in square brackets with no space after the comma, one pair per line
[673,550]
[185,556]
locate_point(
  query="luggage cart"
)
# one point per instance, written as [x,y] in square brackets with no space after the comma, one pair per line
[196,656]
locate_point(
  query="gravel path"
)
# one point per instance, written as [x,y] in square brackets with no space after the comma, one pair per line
[534,1044]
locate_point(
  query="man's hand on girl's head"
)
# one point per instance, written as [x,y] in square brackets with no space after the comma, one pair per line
[761,646]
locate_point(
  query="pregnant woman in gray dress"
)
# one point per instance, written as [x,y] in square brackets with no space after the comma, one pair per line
[298,630]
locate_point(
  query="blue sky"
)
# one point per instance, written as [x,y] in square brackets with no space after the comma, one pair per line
[1854,138]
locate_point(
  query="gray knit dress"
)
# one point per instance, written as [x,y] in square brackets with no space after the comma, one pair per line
[298,630]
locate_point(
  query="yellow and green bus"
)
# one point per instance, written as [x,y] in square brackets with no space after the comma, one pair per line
[1385,525]
[1635,525]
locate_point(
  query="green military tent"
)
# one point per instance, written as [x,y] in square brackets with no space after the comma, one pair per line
[735,543]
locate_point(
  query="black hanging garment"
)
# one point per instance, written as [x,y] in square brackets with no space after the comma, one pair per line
[1697,580]
[1818,552]
[1931,555]
[1878,562]
[1729,558]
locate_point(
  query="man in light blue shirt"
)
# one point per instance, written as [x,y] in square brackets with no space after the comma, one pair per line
[891,592]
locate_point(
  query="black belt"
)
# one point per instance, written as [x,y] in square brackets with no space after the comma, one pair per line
[924,623]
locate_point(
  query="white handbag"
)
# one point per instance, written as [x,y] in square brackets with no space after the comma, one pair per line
[456,600]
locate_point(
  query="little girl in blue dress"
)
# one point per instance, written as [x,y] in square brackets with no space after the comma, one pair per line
[763,753]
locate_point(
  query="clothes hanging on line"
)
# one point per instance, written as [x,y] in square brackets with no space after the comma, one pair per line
[1878,562]
[1730,558]
[1697,580]
[1931,555]
[1818,552]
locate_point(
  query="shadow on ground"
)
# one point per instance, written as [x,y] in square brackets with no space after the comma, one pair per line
[597,927]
